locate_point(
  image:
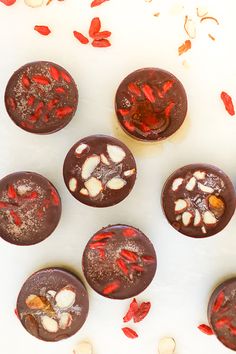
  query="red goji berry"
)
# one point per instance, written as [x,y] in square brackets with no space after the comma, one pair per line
[130,333]
[102,35]
[219,302]
[8,2]
[111,287]
[121,264]
[133,308]
[103,236]
[227,100]
[97,2]
[128,232]
[142,312]
[102,43]
[81,37]
[54,73]
[206,329]
[95,27]
[44,30]
[129,255]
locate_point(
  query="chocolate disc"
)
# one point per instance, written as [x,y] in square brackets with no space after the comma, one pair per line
[52,304]
[119,262]
[198,200]
[151,104]
[99,171]
[41,97]
[222,314]
[30,208]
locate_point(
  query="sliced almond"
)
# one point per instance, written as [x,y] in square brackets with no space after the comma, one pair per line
[35,302]
[49,324]
[65,298]
[216,205]
[81,148]
[209,218]
[89,166]
[52,293]
[190,27]
[176,183]
[34,3]
[180,206]
[65,320]
[94,186]
[73,184]
[201,11]
[178,217]
[104,160]
[129,173]
[84,191]
[166,345]
[191,184]
[204,229]
[199,174]
[116,153]
[205,189]
[83,348]
[187,218]
[197,218]
[116,183]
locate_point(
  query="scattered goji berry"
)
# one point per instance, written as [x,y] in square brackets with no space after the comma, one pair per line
[44,30]
[227,100]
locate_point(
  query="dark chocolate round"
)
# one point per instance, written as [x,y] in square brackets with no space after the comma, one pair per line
[99,171]
[151,104]
[222,313]
[30,208]
[52,304]
[198,200]
[41,97]
[119,262]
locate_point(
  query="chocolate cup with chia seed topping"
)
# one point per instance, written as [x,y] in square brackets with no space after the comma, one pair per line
[150,104]
[119,262]
[41,97]
[52,304]
[198,200]
[99,171]
[221,313]
[30,208]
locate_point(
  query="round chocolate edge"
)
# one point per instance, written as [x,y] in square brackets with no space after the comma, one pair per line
[43,62]
[120,143]
[59,209]
[193,166]
[161,138]
[110,295]
[75,276]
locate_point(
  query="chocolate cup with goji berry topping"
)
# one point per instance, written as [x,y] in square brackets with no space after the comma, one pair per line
[221,313]
[30,208]
[119,262]
[52,304]
[198,200]
[99,171]
[41,97]
[151,104]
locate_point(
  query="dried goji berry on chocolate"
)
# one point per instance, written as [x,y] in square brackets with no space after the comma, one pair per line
[123,267]
[128,232]
[103,236]
[130,333]
[42,80]
[11,192]
[54,73]
[219,302]
[129,255]
[111,287]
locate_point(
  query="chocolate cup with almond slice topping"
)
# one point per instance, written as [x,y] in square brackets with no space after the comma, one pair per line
[99,171]
[119,262]
[151,104]
[41,97]
[52,304]
[30,208]
[221,313]
[198,200]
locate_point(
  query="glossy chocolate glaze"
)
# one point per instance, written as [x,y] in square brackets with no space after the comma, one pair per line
[151,104]
[46,284]
[198,200]
[104,172]
[30,208]
[105,263]
[41,97]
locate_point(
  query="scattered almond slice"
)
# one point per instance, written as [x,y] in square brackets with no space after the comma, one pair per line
[187,218]
[129,173]
[89,166]
[84,191]
[204,230]
[190,27]
[201,11]
[197,218]
[156,14]
[180,206]
[65,320]
[211,37]
[115,153]
[191,184]
[49,324]
[116,183]
[94,186]
[104,160]
[34,3]
[81,149]
[52,293]
[199,174]
[209,18]
[209,218]
[65,298]
[185,47]
[83,348]
[73,184]
[176,183]
[204,188]
[166,345]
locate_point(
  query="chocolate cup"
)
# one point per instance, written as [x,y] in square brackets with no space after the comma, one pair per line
[30,208]
[150,104]
[39,283]
[41,97]
[168,197]
[97,145]
[106,262]
[221,313]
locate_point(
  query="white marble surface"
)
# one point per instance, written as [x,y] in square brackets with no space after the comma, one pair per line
[188,269]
